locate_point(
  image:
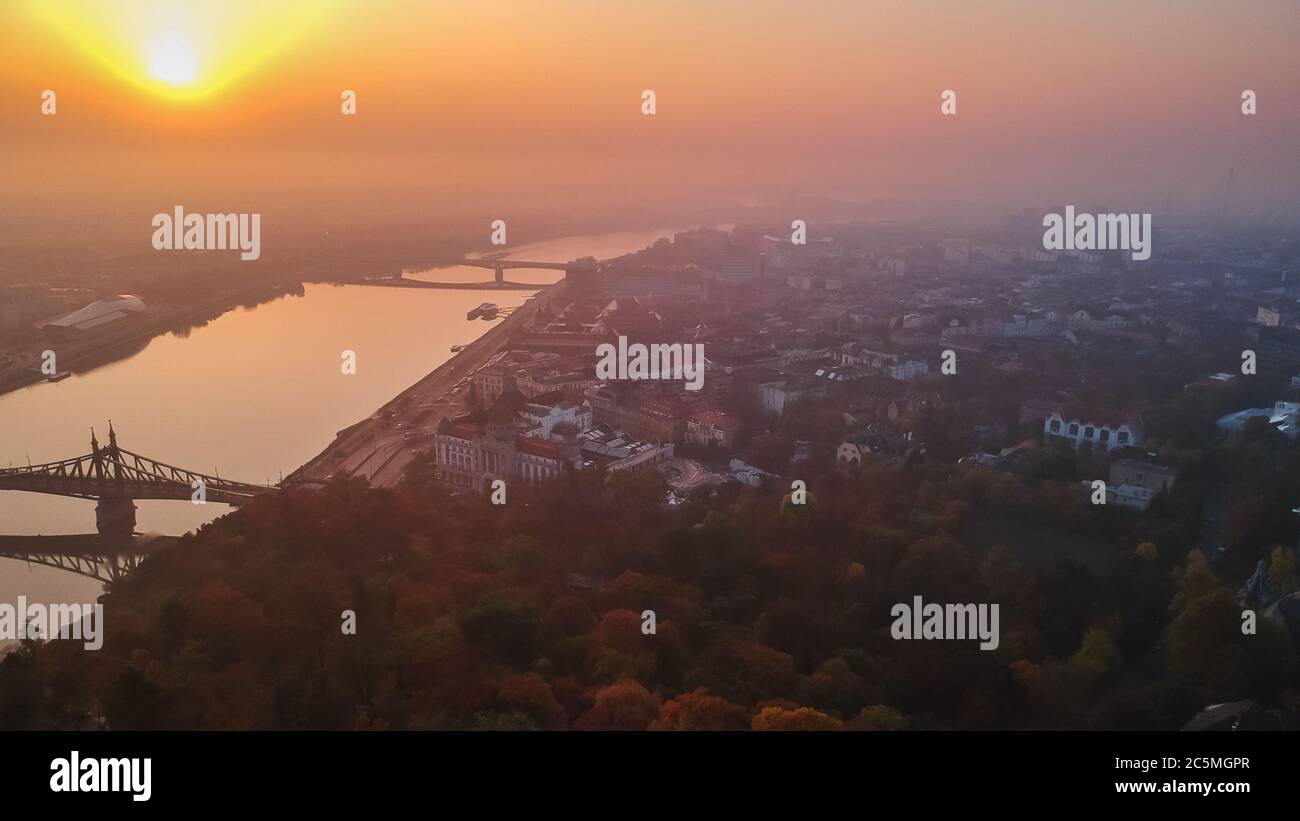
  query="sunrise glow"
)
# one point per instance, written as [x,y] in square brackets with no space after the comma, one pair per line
[180,51]
[172,60]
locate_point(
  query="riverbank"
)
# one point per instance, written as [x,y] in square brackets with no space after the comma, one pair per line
[81,356]
[377,447]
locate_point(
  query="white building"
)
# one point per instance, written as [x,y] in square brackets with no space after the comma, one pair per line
[1097,428]
[94,316]
[1285,416]
[545,416]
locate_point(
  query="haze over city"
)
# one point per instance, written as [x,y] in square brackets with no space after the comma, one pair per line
[706,366]
[516,105]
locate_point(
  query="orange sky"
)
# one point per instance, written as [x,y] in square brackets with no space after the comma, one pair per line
[1084,100]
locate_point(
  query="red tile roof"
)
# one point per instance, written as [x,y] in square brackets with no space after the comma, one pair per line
[538,447]
[715,418]
[1096,416]
[464,430]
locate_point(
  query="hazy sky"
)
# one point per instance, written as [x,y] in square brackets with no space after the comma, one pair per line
[1114,100]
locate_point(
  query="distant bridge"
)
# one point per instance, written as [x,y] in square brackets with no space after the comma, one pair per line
[116,477]
[582,266]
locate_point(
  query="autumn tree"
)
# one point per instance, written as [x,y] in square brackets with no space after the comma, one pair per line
[697,710]
[623,705]
[803,718]
[879,717]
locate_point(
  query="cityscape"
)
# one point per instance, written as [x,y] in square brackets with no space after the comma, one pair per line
[939,433]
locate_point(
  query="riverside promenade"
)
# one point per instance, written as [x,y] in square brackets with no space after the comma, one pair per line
[377,447]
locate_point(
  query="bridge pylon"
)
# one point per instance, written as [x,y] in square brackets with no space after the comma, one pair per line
[115,516]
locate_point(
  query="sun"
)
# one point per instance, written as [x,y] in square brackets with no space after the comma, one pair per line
[172,60]
[183,51]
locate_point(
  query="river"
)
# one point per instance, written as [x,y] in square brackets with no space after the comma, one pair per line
[251,395]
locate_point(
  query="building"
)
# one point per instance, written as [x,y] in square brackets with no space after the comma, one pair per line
[95,317]
[534,442]
[615,452]
[492,381]
[565,376]
[1283,416]
[538,460]
[907,371]
[630,317]
[1139,473]
[779,394]
[738,264]
[473,451]
[1100,429]
[532,375]
[1135,482]
[1268,316]
[628,409]
[654,284]
[539,418]
[712,426]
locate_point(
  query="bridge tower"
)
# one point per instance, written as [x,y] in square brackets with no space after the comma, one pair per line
[115,516]
[114,512]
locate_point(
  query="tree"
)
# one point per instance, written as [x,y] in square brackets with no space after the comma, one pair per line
[879,717]
[567,616]
[833,687]
[621,630]
[136,703]
[1193,582]
[529,693]
[505,625]
[1208,649]
[623,705]
[803,718]
[697,710]
[1247,525]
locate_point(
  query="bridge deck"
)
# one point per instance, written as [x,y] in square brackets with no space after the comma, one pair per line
[90,488]
[491,285]
[116,473]
[83,544]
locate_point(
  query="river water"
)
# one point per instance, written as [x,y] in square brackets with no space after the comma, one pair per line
[250,396]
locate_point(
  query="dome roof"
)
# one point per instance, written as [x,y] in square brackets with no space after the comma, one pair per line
[98,313]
